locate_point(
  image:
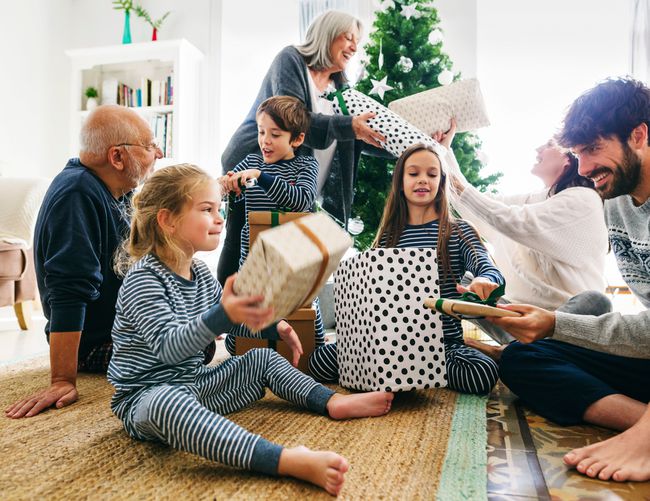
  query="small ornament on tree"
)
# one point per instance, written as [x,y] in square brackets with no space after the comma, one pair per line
[380,87]
[435,37]
[355,226]
[141,12]
[380,58]
[405,64]
[445,77]
[386,4]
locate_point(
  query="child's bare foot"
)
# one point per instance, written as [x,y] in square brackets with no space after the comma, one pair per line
[325,469]
[494,352]
[621,458]
[357,405]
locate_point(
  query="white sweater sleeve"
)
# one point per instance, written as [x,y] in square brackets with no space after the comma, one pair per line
[557,226]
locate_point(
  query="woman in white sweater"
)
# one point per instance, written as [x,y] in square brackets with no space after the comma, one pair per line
[549,245]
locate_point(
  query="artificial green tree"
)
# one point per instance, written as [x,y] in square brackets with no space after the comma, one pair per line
[406,47]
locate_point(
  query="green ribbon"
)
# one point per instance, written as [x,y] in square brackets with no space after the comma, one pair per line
[491,300]
[339,97]
[275,215]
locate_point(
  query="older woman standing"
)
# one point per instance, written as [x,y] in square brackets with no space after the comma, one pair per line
[309,72]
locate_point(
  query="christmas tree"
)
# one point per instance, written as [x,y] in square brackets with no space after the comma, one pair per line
[406,49]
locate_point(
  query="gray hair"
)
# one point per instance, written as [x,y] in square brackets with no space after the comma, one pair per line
[107,126]
[320,35]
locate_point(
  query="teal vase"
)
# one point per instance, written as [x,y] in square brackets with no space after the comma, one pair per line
[126,37]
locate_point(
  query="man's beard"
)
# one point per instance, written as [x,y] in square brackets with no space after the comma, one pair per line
[624,176]
[136,173]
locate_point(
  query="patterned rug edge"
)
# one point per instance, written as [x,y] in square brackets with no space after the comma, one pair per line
[464,474]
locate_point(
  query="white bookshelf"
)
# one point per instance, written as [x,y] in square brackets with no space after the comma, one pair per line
[129,64]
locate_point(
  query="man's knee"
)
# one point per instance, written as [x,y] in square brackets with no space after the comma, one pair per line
[587,303]
[515,360]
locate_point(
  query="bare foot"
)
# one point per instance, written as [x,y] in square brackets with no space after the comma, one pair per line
[621,458]
[494,352]
[357,405]
[325,469]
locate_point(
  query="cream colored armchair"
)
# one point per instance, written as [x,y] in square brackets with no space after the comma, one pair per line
[20,200]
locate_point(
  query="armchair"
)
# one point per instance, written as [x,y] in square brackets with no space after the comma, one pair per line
[20,199]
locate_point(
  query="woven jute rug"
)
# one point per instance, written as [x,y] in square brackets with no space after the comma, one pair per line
[431,445]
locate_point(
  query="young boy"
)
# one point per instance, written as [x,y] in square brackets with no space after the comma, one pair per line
[284,181]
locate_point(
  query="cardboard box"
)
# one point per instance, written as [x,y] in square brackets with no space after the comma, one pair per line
[303,322]
[259,221]
[386,338]
[290,263]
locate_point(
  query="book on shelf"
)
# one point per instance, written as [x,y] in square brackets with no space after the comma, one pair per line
[159,92]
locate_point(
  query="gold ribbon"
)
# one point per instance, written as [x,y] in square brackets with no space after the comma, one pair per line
[324,253]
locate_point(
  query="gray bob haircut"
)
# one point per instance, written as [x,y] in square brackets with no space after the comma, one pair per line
[107,126]
[320,35]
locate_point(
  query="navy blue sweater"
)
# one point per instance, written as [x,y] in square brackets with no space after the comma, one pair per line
[79,227]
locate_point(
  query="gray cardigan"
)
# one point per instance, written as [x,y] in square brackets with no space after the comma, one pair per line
[288,76]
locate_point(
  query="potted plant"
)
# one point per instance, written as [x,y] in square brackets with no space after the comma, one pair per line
[91,95]
[155,25]
[126,6]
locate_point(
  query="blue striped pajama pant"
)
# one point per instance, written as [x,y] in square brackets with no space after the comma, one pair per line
[468,370]
[189,416]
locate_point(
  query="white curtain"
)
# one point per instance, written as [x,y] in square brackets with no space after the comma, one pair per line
[310,10]
[640,61]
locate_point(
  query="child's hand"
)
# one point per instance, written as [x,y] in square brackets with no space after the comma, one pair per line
[245,309]
[481,286]
[223,181]
[236,179]
[289,336]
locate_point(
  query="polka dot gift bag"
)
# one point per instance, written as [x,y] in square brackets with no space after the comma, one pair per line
[398,132]
[386,338]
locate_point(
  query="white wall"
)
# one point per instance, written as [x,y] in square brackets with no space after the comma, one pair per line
[534,59]
[33,87]
[252,34]
[459,24]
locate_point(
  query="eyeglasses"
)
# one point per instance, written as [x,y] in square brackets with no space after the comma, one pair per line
[152,146]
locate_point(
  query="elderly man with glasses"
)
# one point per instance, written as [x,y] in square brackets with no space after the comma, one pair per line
[83,220]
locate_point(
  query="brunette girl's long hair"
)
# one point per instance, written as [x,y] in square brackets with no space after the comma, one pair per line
[395,216]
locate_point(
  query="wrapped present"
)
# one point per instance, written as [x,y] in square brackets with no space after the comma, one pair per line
[467,310]
[290,263]
[259,221]
[398,132]
[303,322]
[386,339]
[432,110]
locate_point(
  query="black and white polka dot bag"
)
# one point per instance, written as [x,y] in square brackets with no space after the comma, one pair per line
[386,338]
[398,132]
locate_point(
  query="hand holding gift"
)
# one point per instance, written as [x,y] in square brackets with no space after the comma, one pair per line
[364,132]
[245,309]
[396,132]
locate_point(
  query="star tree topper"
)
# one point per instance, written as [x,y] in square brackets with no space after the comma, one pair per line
[380,87]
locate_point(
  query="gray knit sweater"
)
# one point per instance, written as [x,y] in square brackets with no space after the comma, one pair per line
[625,335]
